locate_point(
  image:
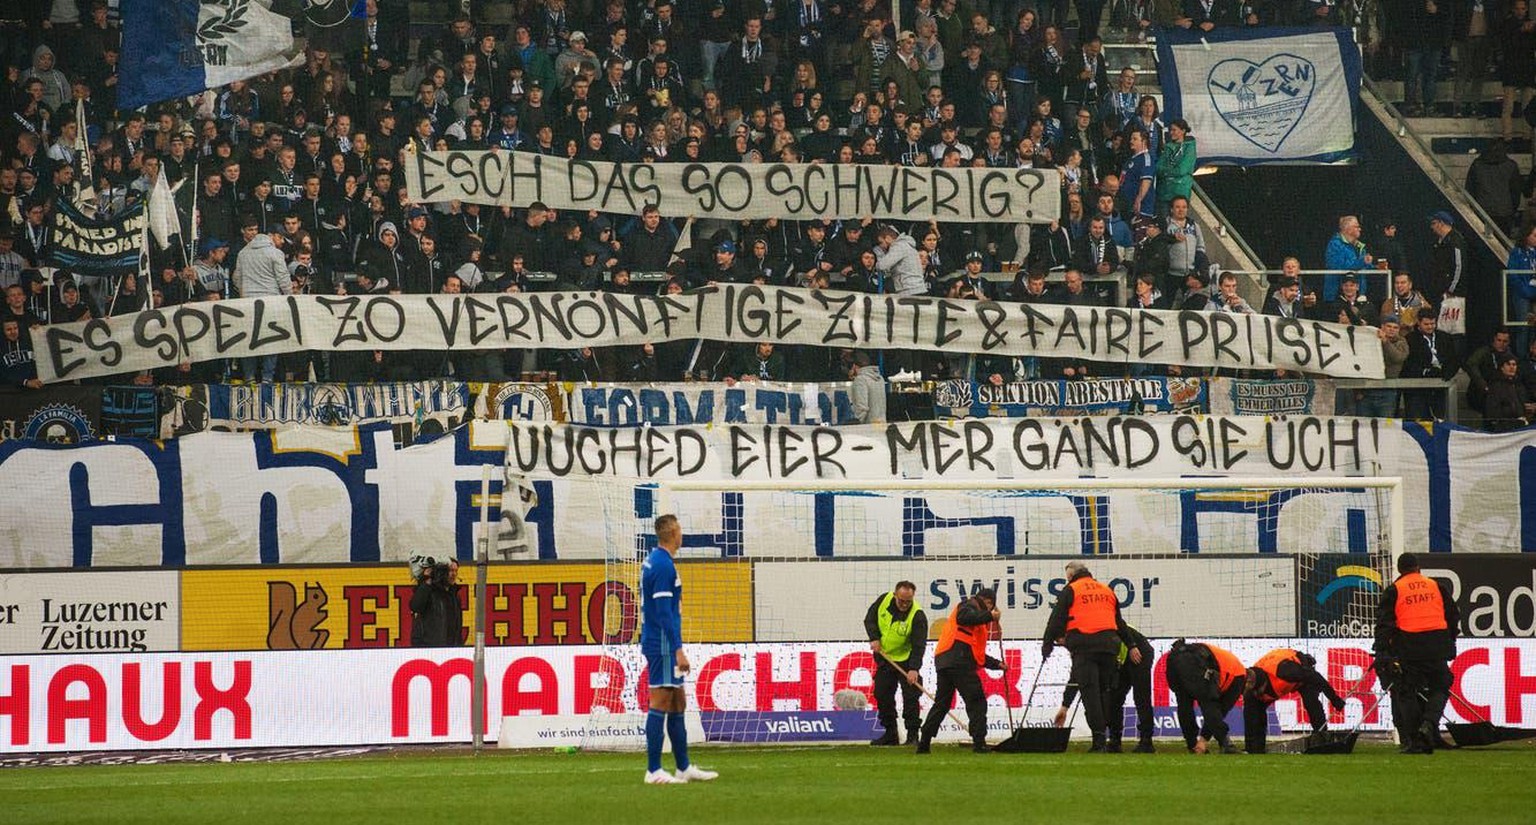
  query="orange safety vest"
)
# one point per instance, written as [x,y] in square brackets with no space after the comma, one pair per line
[1093,606]
[1230,667]
[976,637]
[1270,664]
[1419,607]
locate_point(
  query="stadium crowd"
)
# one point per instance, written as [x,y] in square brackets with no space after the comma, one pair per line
[293,183]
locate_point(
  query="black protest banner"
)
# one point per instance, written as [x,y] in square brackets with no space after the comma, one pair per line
[732,313]
[734,191]
[1495,593]
[97,246]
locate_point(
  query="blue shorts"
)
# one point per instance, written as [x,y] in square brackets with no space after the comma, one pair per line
[661,671]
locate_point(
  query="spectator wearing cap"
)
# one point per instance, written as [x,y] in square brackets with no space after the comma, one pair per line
[1285,301]
[723,268]
[1447,258]
[260,271]
[417,225]
[906,69]
[212,252]
[507,135]
[970,277]
[576,59]
[1351,306]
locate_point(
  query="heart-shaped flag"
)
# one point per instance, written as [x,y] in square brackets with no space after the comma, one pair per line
[1265,101]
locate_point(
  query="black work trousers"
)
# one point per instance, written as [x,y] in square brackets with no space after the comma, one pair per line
[1194,681]
[1421,694]
[966,681]
[887,680]
[1094,673]
[1135,681]
[1256,716]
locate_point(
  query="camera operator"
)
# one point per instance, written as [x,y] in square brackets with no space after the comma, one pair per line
[437,620]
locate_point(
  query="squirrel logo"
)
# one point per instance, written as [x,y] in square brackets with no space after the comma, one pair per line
[292,625]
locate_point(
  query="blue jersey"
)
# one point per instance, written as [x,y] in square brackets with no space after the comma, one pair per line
[1139,168]
[661,604]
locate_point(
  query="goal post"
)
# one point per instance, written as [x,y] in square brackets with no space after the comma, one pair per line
[777,575]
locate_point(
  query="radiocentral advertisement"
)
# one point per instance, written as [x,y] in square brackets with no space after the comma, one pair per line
[773,692]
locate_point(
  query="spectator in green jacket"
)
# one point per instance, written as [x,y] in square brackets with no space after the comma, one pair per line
[1176,165]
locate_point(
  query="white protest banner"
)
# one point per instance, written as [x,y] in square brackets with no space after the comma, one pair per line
[731,312]
[1262,95]
[734,191]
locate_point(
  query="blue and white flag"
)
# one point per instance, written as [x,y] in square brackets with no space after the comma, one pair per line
[177,48]
[1262,95]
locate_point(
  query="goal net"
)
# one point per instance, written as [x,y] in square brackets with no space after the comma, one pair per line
[777,578]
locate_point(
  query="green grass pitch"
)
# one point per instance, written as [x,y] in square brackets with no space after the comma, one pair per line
[820,784]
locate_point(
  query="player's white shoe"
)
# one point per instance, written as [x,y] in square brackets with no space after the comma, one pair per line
[662,778]
[694,773]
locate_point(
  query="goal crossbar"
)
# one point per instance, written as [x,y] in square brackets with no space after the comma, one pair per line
[1393,485]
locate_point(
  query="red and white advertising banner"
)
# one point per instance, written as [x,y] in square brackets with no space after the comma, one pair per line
[393,696]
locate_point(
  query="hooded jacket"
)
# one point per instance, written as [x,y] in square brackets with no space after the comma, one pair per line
[867,394]
[17,363]
[1493,180]
[386,266]
[903,270]
[56,87]
[261,270]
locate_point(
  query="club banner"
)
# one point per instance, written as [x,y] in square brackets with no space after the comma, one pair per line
[1262,95]
[234,407]
[349,495]
[180,47]
[54,415]
[394,697]
[637,405]
[1292,396]
[1093,396]
[737,192]
[745,314]
[97,246]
